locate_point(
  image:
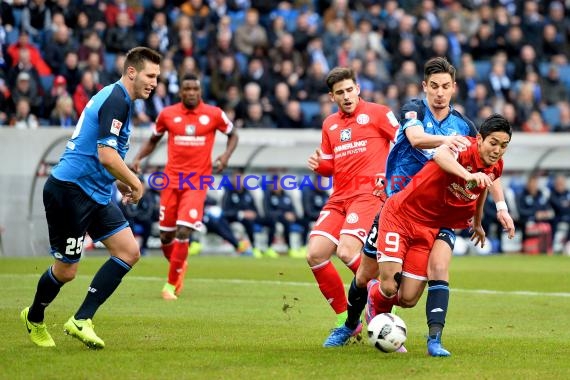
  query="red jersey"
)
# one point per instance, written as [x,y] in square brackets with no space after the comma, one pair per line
[356,146]
[191,135]
[436,198]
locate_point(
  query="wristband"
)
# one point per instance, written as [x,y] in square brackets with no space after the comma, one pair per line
[501,205]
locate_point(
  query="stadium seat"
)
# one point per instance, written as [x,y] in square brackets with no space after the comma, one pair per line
[309,109]
[238,18]
[109,61]
[551,116]
[482,68]
[46,81]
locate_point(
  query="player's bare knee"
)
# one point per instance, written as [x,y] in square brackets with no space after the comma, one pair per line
[183,233]
[437,270]
[166,237]
[64,273]
[389,288]
[406,301]
[367,271]
[345,253]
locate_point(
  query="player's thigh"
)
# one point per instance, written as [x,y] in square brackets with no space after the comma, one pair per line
[348,247]
[360,213]
[329,223]
[191,209]
[411,290]
[168,211]
[69,212]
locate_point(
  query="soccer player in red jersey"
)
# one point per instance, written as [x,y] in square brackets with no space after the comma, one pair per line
[191,125]
[447,191]
[354,147]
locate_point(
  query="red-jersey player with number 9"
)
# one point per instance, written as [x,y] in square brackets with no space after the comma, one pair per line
[354,148]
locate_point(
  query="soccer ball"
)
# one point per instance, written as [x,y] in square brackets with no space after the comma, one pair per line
[387,332]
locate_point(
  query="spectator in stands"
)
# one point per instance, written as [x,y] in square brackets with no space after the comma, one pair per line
[23,118]
[93,11]
[57,90]
[532,23]
[6,103]
[406,51]
[294,117]
[564,120]
[183,49]
[483,44]
[339,9]
[238,205]
[277,28]
[121,37]
[284,49]
[314,84]
[279,207]
[93,65]
[159,28]
[560,203]
[514,42]
[552,47]
[250,33]
[553,90]
[91,43]
[524,102]
[71,71]
[63,114]
[256,118]
[114,8]
[535,216]
[498,82]
[526,62]
[305,30]
[257,73]
[59,44]
[219,48]
[150,11]
[200,15]
[35,56]
[535,123]
[36,20]
[27,89]
[224,76]
[25,65]
[85,90]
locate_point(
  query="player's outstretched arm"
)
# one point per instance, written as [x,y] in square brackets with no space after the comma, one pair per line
[421,140]
[503,215]
[144,151]
[113,162]
[478,233]
[445,158]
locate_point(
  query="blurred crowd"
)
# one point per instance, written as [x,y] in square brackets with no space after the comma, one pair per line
[264,62]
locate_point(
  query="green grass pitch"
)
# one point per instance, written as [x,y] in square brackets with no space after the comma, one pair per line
[241,318]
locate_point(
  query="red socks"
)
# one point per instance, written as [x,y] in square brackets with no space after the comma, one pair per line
[178,257]
[354,264]
[167,250]
[331,285]
[382,304]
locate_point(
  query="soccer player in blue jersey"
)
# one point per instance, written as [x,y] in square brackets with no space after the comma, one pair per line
[424,125]
[77,199]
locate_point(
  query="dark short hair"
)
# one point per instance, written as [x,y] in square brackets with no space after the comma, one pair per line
[338,74]
[189,76]
[438,65]
[136,57]
[495,123]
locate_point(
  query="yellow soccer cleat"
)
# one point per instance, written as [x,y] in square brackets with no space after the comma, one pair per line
[82,329]
[37,331]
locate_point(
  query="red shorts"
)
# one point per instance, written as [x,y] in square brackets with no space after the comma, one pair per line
[352,216]
[403,241]
[184,207]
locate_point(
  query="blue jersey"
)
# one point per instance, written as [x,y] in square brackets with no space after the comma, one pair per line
[404,161]
[104,121]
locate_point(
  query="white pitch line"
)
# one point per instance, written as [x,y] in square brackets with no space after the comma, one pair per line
[307,284]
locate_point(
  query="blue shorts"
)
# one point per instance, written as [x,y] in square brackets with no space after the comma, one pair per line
[71,213]
[369,249]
